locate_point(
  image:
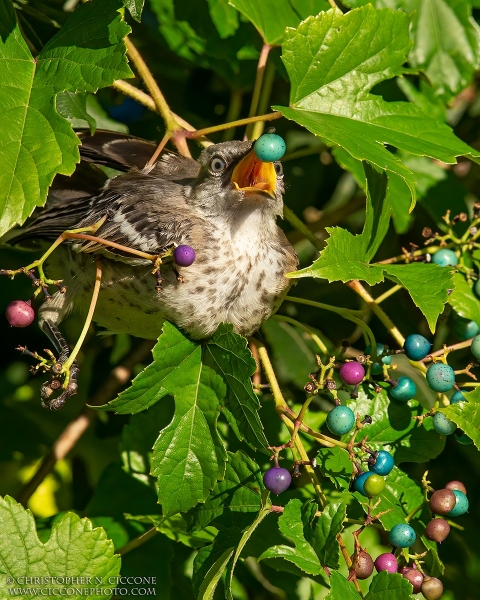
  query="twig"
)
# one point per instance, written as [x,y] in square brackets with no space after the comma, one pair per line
[300,226]
[200,132]
[262,62]
[138,541]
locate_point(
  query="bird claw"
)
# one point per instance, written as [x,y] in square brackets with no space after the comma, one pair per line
[70,387]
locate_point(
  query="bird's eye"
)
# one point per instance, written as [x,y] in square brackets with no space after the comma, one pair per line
[278,169]
[217,165]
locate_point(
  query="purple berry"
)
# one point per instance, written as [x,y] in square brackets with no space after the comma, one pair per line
[386,562]
[184,256]
[363,565]
[437,530]
[20,313]
[277,480]
[442,501]
[456,485]
[352,372]
[415,578]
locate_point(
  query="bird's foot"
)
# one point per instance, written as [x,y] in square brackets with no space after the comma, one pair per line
[68,388]
[40,281]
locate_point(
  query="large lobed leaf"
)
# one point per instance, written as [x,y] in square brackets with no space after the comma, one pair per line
[333,61]
[463,300]
[467,415]
[86,54]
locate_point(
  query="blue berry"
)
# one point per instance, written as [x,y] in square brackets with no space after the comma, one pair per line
[440,377]
[462,438]
[458,397]
[475,347]
[466,329]
[386,360]
[359,482]
[442,424]
[184,256]
[461,505]
[340,420]
[445,258]
[402,536]
[416,346]
[404,390]
[277,480]
[383,464]
[269,147]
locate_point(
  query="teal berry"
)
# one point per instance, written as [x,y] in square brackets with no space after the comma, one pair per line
[458,397]
[359,483]
[404,390]
[475,347]
[440,377]
[462,438]
[416,346]
[386,360]
[476,287]
[466,329]
[402,536]
[461,505]
[269,147]
[445,258]
[340,420]
[442,424]
[382,463]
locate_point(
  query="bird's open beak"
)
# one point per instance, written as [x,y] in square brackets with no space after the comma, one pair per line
[253,175]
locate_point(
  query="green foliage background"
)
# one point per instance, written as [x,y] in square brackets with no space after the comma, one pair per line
[372,86]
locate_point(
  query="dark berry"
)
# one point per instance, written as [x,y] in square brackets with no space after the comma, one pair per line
[416,346]
[402,536]
[462,438]
[415,578]
[445,258]
[374,485]
[277,480]
[461,505]
[20,313]
[340,420]
[475,347]
[383,463]
[359,482]
[442,424]
[377,367]
[363,565]
[440,377]
[386,562]
[458,397]
[456,485]
[466,329]
[432,588]
[269,147]
[352,372]
[404,390]
[184,256]
[437,530]
[442,501]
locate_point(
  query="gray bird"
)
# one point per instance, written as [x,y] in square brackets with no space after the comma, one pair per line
[224,205]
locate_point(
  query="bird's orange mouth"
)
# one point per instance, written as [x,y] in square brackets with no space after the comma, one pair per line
[253,175]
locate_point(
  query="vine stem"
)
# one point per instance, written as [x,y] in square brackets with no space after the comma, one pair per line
[303,327]
[257,88]
[138,541]
[458,346]
[201,132]
[357,287]
[388,293]
[300,226]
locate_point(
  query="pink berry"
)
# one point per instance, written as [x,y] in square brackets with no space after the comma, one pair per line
[415,578]
[20,313]
[184,256]
[352,372]
[386,562]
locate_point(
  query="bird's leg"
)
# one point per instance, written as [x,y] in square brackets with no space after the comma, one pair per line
[66,365]
[179,277]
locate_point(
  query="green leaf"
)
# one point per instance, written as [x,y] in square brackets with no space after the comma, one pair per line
[446,44]
[271,17]
[341,589]
[175,528]
[38,142]
[466,415]
[224,17]
[335,464]
[377,217]
[213,575]
[74,549]
[323,538]
[332,75]
[73,107]
[239,491]
[463,300]
[227,353]
[389,586]
[135,8]
[291,527]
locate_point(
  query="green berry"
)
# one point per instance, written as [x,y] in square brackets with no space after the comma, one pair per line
[359,482]
[340,420]
[402,536]
[404,390]
[374,485]
[458,397]
[461,504]
[377,367]
[462,438]
[269,147]
[442,424]
[440,377]
[416,346]
[475,347]
[466,329]
[445,258]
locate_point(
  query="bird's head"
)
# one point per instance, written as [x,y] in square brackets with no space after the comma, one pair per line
[232,177]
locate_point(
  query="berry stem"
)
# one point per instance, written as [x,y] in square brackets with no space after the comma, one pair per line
[207,130]
[388,293]
[257,88]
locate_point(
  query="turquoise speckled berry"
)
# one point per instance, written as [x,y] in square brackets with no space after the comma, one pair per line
[442,424]
[463,439]
[440,377]
[461,505]
[466,329]
[340,420]
[475,347]
[402,536]
[383,464]
[458,397]
[359,482]
[445,258]
[269,147]
[404,390]
[416,346]
[386,360]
